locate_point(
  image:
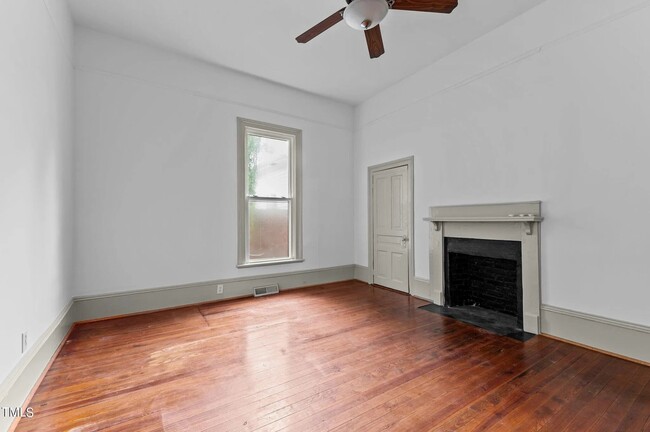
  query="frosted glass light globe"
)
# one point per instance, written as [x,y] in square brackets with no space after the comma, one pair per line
[365,14]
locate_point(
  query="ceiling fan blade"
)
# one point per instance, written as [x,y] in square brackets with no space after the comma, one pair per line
[375,42]
[319,28]
[440,6]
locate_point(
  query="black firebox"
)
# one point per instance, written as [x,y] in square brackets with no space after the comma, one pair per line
[485,276]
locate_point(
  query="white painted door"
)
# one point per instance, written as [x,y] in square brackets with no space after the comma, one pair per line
[390,228]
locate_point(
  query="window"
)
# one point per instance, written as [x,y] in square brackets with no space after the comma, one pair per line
[269,189]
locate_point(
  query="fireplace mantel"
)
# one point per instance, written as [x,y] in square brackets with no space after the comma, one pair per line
[509,221]
[527,213]
[527,219]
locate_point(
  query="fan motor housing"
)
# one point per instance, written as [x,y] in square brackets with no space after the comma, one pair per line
[390,2]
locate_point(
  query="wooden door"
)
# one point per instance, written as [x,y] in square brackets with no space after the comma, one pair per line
[391,228]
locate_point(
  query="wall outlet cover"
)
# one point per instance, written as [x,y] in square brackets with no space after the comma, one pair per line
[220,289]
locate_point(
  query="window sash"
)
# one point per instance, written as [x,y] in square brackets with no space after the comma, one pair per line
[292,170]
[263,133]
[291,250]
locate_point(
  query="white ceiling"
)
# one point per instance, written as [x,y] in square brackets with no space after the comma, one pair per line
[258,37]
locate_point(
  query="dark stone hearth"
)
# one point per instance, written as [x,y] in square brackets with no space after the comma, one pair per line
[495,322]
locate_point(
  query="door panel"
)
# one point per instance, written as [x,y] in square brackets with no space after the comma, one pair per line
[383,219]
[399,268]
[397,220]
[391,227]
[383,264]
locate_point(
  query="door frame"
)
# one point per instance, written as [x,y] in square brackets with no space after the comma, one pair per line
[408,162]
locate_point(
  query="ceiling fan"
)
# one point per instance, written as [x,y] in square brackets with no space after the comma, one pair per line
[366,15]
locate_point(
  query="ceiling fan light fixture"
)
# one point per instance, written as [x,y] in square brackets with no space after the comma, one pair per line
[365,14]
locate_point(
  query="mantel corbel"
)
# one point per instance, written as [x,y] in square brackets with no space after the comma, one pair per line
[529,227]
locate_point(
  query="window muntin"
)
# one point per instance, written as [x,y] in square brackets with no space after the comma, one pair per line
[269,194]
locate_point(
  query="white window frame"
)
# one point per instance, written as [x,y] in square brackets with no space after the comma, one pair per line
[294,136]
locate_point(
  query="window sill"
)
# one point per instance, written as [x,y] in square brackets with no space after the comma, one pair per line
[268,263]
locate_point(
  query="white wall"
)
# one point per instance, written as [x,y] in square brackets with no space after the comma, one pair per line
[554,106]
[35,170]
[156,201]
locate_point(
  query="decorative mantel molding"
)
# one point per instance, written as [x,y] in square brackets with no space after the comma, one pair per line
[509,221]
[527,220]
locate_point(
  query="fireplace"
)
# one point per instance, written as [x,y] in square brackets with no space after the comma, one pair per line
[485,274]
[487,256]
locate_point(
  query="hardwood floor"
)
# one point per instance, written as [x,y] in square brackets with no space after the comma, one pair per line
[341,357]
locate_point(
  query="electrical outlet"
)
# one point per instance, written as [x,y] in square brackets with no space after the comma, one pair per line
[23,346]
[220,289]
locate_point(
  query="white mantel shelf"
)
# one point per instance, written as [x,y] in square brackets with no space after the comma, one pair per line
[528,213]
[528,219]
[485,219]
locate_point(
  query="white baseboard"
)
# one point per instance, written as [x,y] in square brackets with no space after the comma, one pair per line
[361,273]
[16,388]
[130,302]
[617,337]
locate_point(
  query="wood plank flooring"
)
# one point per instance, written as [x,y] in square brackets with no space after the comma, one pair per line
[341,357]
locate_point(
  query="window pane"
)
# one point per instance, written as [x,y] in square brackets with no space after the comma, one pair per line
[268,230]
[268,167]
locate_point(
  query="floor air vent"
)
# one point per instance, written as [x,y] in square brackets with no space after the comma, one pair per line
[266,290]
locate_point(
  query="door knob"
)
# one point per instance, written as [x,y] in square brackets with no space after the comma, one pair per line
[404,240]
